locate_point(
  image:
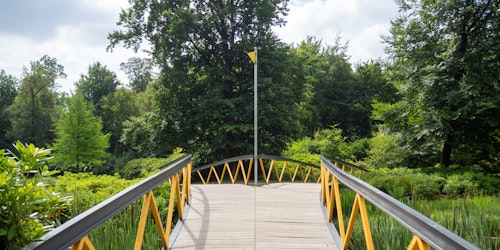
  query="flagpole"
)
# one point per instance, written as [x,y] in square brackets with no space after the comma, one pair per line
[255,149]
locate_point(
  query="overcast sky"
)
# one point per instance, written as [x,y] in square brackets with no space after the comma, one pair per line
[75,32]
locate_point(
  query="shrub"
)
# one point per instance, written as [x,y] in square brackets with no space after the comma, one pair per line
[145,166]
[29,207]
[459,184]
[402,182]
[89,190]
[385,151]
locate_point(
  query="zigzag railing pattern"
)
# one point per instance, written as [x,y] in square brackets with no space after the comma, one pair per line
[427,233]
[271,168]
[74,232]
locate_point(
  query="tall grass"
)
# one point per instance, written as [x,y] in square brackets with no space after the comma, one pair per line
[476,219]
[119,232]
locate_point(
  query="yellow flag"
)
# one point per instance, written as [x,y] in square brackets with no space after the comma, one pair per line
[253,56]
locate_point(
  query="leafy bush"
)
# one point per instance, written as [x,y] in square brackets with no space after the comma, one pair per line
[487,183]
[385,152]
[89,190]
[396,182]
[356,150]
[326,142]
[403,182]
[29,207]
[145,166]
[459,184]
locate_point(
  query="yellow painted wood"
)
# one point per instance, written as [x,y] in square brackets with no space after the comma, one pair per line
[263,170]
[83,244]
[350,226]
[240,167]
[359,206]
[338,204]
[156,215]
[176,187]
[142,222]
[201,177]
[324,183]
[308,174]
[212,169]
[418,244]
[269,173]
[209,175]
[366,222]
[297,168]
[186,182]
[170,212]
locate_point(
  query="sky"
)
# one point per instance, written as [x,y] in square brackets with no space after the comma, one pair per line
[75,32]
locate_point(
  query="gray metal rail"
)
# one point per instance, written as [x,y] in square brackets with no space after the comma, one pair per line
[75,229]
[429,231]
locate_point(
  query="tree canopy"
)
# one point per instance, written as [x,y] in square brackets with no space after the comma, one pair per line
[205,86]
[445,64]
[32,110]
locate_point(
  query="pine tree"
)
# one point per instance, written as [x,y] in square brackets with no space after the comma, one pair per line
[80,140]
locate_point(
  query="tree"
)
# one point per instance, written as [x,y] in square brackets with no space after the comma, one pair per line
[32,110]
[97,83]
[80,140]
[116,109]
[339,95]
[446,66]
[205,85]
[8,92]
[371,86]
[139,72]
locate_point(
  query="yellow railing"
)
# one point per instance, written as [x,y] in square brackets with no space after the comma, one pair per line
[426,232]
[278,169]
[74,232]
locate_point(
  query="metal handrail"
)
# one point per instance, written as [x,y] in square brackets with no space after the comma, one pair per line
[429,231]
[75,229]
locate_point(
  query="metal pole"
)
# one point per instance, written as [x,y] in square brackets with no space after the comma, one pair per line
[255,149]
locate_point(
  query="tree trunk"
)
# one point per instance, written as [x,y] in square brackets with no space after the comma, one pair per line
[446,152]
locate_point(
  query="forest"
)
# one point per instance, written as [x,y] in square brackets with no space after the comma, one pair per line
[429,112]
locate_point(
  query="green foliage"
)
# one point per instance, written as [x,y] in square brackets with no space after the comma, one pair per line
[8,92]
[356,150]
[31,113]
[116,109]
[80,140]
[88,189]
[326,142]
[204,92]
[404,182]
[459,185]
[142,167]
[445,66]
[29,207]
[139,72]
[97,83]
[385,151]
[487,183]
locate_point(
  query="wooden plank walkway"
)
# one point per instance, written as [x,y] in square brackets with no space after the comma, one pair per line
[236,216]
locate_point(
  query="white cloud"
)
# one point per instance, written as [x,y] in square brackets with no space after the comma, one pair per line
[75,33]
[75,45]
[360,22]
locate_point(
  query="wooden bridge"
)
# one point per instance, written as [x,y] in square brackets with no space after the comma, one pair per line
[274,216]
[295,205]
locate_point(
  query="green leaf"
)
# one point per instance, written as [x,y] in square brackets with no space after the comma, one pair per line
[11,233]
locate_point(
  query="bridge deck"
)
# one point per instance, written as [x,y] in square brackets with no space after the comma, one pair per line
[275,216]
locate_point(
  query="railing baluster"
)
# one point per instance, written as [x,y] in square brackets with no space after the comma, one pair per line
[427,232]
